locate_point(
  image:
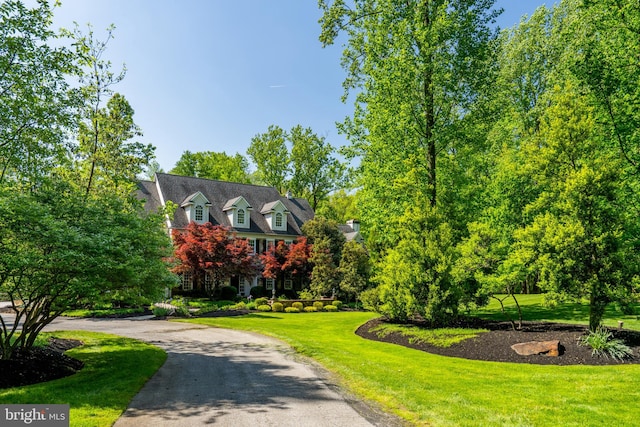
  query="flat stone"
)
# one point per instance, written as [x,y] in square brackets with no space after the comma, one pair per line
[548,348]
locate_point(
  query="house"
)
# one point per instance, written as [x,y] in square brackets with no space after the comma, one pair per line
[351,231]
[257,213]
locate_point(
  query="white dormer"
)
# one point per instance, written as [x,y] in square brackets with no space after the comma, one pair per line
[276,215]
[196,206]
[238,212]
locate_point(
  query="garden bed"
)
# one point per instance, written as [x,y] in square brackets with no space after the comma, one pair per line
[495,345]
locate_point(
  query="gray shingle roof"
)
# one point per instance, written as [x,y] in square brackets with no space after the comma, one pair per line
[176,188]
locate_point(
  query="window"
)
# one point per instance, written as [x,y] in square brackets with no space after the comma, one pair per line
[269,285]
[199,213]
[288,284]
[186,280]
[240,216]
[270,244]
[252,245]
[208,282]
[278,220]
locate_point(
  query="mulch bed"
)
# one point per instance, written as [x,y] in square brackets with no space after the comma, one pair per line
[495,345]
[40,364]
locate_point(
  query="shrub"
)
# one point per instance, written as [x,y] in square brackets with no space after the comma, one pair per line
[310,309]
[330,308]
[261,301]
[318,305]
[298,305]
[251,305]
[228,293]
[264,307]
[305,294]
[602,343]
[240,306]
[277,306]
[337,304]
[371,299]
[257,291]
[292,310]
[161,311]
[182,311]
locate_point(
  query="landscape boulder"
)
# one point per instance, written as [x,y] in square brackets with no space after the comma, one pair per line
[547,348]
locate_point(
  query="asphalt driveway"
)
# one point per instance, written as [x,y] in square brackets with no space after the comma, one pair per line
[229,378]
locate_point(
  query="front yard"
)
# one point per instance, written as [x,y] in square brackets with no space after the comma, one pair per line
[435,390]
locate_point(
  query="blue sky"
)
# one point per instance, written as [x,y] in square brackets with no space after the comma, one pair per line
[208,75]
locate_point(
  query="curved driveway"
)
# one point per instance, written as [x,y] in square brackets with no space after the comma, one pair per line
[228,378]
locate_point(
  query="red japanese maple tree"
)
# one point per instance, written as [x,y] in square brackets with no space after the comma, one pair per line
[292,259]
[212,249]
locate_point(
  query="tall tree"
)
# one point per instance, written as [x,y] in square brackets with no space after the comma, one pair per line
[107,158]
[36,110]
[417,66]
[354,269]
[270,154]
[420,70]
[315,172]
[212,165]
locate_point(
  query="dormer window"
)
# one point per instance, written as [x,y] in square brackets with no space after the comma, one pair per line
[196,207]
[276,215]
[238,212]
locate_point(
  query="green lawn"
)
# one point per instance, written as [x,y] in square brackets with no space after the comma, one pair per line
[534,309]
[115,369]
[428,389]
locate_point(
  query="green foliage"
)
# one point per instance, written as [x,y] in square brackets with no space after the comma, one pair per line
[212,165]
[339,207]
[161,311]
[292,310]
[439,337]
[228,293]
[324,276]
[298,305]
[310,309]
[182,312]
[257,291]
[315,172]
[415,277]
[240,306]
[269,153]
[331,308]
[319,229]
[337,304]
[277,306]
[354,269]
[69,254]
[306,294]
[603,344]
[264,307]
[261,301]
[371,299]
[36,106]
[319,305]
